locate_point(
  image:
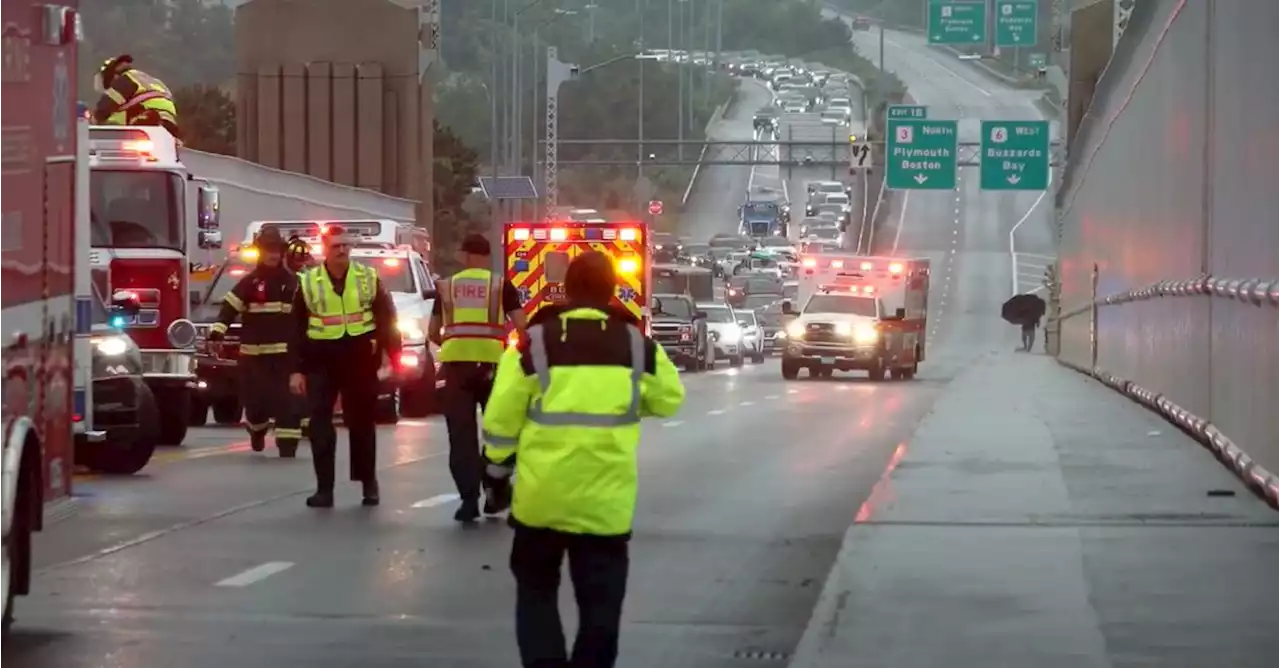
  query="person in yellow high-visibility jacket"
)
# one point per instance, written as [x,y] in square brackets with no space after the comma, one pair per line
[564,417]
[468,322]
[130,96]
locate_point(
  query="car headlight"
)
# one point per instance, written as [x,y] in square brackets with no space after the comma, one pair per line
[731,334]
[795,331]
[865,334]
[411,330]
[112,346]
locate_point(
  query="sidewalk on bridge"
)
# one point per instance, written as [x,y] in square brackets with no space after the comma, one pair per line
[1038,520]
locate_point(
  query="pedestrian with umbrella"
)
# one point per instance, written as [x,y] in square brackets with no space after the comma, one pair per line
[1024,310]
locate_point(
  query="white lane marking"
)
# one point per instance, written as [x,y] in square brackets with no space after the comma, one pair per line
[437,500]
[716,411]
[673,423]
[1013,252]
[256,574]
[793,391]
[772,396]
[747,403]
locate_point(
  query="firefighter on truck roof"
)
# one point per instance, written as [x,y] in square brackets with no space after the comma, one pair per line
[263,301]
[130,96]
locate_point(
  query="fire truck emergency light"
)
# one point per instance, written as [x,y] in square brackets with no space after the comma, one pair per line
[865,266]
[520,234]
[809,262]
[628,265]
[895,268]
[559,234]
[837,264]
[391,262]
[628,234]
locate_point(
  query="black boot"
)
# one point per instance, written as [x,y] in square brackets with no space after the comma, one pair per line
[371,497]
[321,499]
[468,512]
[497,497]
[288,447]
[258,440]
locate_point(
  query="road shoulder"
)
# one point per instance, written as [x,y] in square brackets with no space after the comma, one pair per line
[1034,520]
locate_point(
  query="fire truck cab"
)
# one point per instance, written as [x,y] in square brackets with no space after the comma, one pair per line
[538,256]
[858,313]
[140,197]
[388,232]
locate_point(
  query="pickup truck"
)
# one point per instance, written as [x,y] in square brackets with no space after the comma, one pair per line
[682,332]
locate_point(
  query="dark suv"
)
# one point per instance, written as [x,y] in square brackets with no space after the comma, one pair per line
[681,330]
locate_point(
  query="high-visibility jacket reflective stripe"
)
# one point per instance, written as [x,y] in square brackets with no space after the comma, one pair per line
[264,348]
[471,310]
[541,368]
[331,316]
[268,307]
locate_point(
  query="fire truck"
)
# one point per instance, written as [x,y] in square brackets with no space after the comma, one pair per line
[538,256]
[141,196]
[858,313]
[43,182]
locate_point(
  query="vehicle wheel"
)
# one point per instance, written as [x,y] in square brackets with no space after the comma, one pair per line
[738,360]
[895,374]
[790,370]
[172,418]
[227,410]
[876,373]
[128,456]
[17,547]
[709,360]
[909,373]
[199,415]
[421,400]
[826,372]
[693,365]
[388,410]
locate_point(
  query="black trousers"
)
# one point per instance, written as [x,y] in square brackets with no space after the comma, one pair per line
[466,391]
[1028,337]
[351,372]
[598,566]
[264,392]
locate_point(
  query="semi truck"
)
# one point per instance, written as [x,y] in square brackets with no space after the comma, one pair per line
[43,215]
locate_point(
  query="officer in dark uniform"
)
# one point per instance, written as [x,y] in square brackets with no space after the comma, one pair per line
[133,97]
[348,322]
[268,344]
[468,322]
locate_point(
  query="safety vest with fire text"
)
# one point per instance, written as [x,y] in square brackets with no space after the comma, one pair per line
[471,306]
[333,316]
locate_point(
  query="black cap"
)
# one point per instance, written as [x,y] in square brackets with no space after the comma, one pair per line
[476,244]
[269,239]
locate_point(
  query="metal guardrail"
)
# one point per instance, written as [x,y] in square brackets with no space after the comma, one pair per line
[1260,292]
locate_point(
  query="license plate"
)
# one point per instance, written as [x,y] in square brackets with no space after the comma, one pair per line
[827,360]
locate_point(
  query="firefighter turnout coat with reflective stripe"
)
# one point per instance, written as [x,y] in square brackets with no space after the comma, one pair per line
[566,405]
[263,300]
[471,309]
[132,93]
[331,316]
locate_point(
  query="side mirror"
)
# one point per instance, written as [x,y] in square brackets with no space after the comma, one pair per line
[428,293]
[900,313]
[209,239]
[207,214]
[125,303]
[195,297]
[700,315]
[787,308]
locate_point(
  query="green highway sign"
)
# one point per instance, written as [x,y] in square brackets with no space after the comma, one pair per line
[1015,155]
[908,111]
[1016,23]
[921,155]
[957,22]
[1039,60]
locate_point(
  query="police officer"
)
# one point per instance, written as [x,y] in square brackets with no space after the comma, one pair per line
[268,342]
[565,417]
[467,322]
[132,97]
[348,322]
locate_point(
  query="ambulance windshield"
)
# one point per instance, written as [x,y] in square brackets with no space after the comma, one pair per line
[136,209]
[842,304]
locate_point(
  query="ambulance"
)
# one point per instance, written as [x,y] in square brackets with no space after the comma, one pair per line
[857,312]
[538,255]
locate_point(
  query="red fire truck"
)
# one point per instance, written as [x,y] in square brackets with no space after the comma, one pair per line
[141,196]
[42,154]
[858,313]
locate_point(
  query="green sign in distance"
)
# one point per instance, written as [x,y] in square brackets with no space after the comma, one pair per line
[1039,60]
[921,155]
[1015,155]
[908,111]
[1016,23]
[956,22]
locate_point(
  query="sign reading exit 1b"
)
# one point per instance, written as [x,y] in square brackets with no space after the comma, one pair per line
[907,111]
[1015,155]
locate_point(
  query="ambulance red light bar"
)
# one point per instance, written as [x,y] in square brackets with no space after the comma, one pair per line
[520,234]
[808,262]
[391,262]
[866,266]
[895,268]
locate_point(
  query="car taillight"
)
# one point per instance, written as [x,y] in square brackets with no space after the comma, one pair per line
[409,360]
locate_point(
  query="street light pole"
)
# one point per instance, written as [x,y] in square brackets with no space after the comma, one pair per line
[493,91]
[640,104]
[672,48]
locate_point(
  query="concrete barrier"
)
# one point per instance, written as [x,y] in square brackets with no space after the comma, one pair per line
[716,117]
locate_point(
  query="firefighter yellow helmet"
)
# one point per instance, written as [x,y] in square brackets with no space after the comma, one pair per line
[111,68]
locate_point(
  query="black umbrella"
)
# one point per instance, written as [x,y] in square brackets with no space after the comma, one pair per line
[1022,309]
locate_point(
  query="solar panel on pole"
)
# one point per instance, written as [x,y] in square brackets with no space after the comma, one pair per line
[508,187]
